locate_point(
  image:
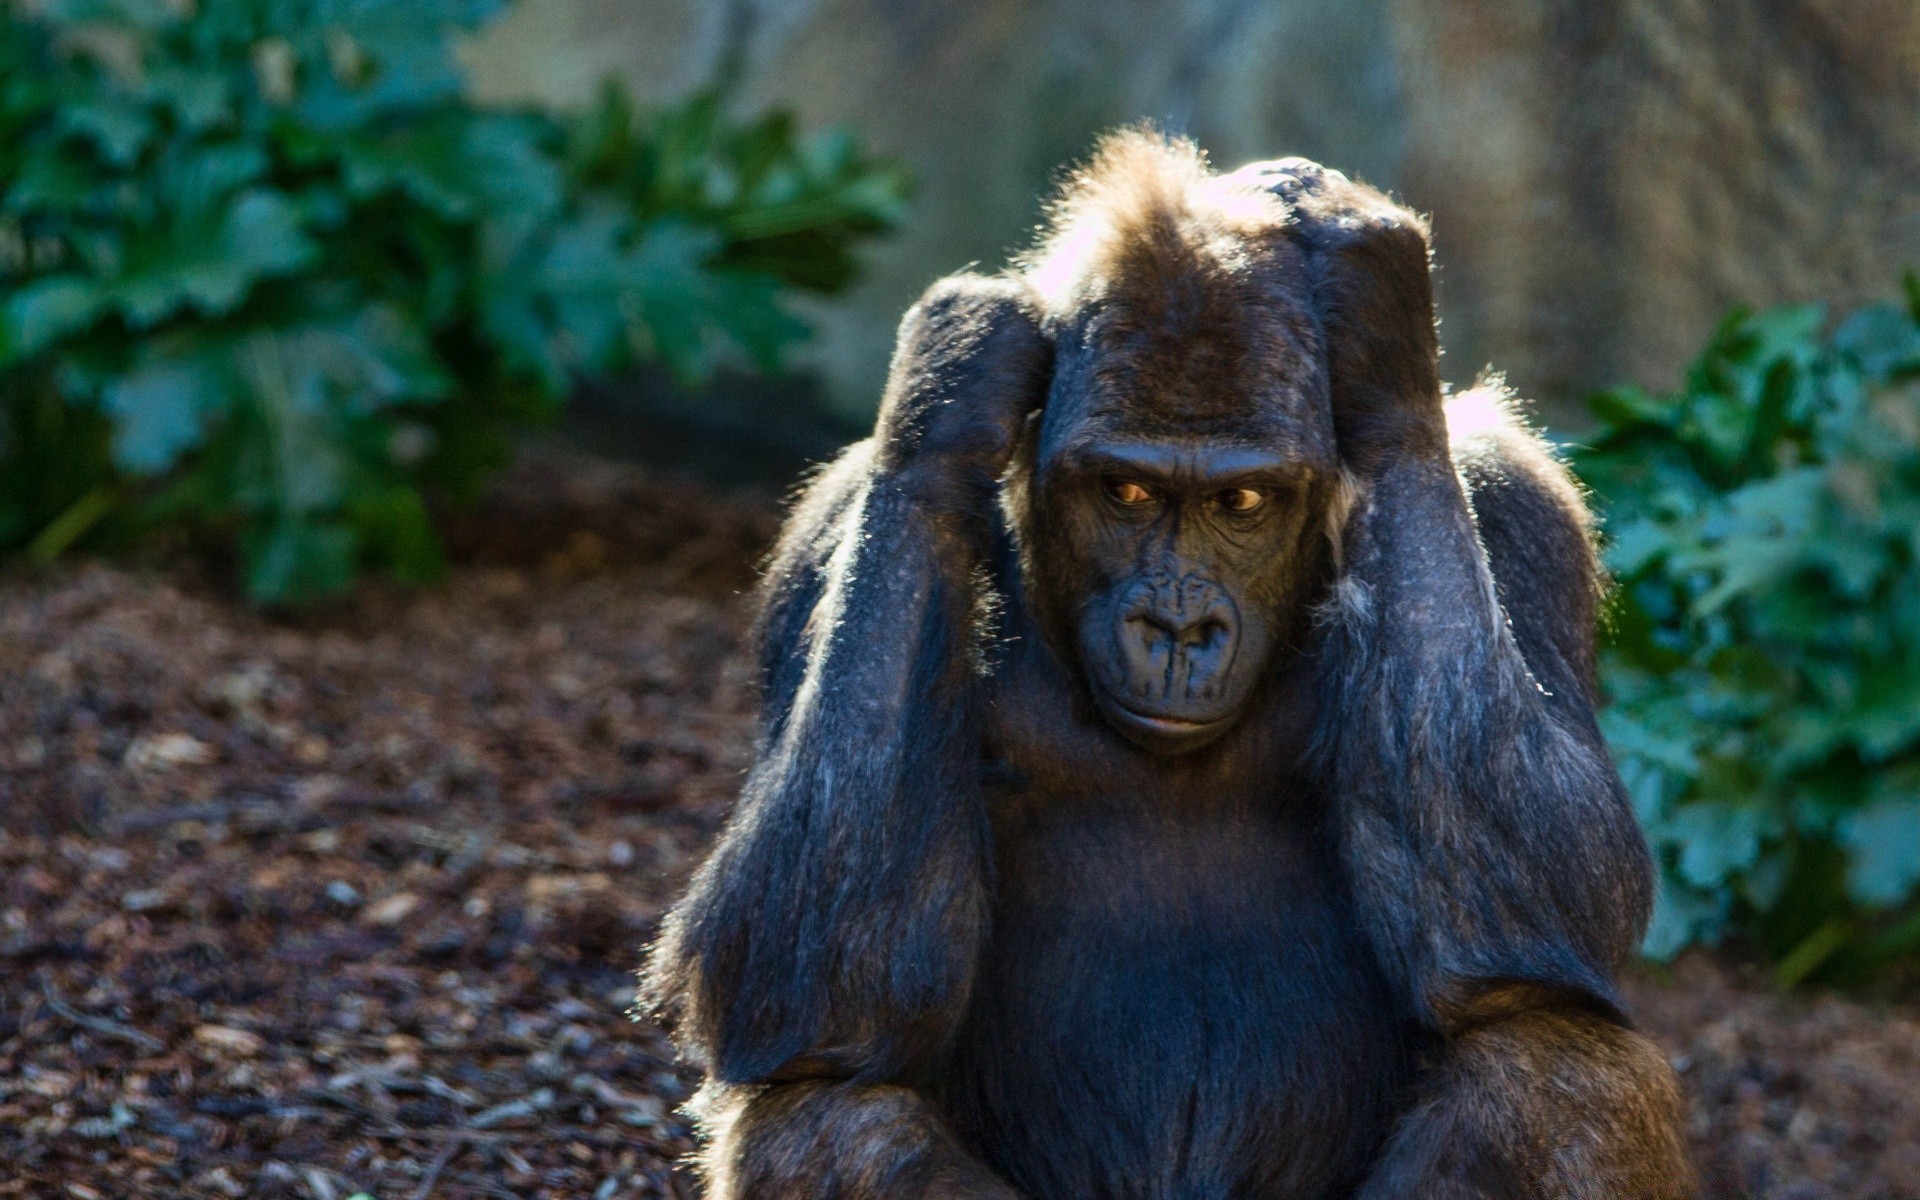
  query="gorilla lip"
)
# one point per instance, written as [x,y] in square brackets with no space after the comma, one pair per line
[1169,724]
[1173,729]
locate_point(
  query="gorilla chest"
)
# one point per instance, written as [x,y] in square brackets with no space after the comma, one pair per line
[1176,1008]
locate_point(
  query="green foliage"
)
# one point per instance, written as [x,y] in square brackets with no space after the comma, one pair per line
[267,274]
[1764,665]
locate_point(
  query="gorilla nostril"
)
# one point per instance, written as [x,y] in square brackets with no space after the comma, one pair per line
[1204,635]
[1158,632]
[1146,630]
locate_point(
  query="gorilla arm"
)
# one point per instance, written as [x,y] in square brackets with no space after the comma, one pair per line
[826,949]
[1496,864]
[1492,851]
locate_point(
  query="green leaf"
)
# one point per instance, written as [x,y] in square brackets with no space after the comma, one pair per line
[1883,338]
[687,307]
[1716,840]
[1790,333]
[56,183]
[298,561]
[1757,535]
[48,309]
[1885,721]
[244,246]
[1884,839]
[1625,407]
[264,236]
[214,269]
[1855,565]
[201,182]
[147,15]
[1763,520]
[116,125]
[458,168]
[159,412]
[1681,917]
[199,98]
[1642,740]
[1633,546]
[396,531]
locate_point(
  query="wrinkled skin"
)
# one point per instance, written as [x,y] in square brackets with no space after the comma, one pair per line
[1177,774]
[1188,563]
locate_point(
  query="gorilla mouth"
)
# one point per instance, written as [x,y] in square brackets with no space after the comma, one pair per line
[1162,733]
[1165,724]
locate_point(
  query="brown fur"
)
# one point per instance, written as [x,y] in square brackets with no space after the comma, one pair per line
[1142,220]
[810,1140]
[1588,1110]
[1532,514]
[1181,308]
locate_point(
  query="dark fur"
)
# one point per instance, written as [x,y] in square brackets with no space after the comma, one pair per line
[962,939]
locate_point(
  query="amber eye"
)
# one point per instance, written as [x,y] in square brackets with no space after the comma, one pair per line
[1242,500]
[1127,492]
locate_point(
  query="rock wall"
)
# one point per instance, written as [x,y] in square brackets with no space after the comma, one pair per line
[1606,176]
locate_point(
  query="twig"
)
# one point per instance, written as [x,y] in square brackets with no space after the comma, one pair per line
[505,1137]
[102,1026]
[476,1137]
[160,818]
[483,1185]
[439,1164]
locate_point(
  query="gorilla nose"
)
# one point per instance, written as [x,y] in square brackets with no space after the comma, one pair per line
[1183,630]
[1176,636]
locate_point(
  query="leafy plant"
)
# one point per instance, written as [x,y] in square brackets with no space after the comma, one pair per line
[265,272]
[1764,665]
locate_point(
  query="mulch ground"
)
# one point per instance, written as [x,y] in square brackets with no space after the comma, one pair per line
[350,903]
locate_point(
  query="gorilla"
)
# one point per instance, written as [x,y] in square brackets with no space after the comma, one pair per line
[1177,776]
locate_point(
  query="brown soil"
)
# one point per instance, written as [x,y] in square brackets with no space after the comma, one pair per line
[351,903]
[1793,1097]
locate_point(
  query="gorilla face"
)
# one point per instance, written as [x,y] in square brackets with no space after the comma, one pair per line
[1177,529]
[1190,564]
[1173,504]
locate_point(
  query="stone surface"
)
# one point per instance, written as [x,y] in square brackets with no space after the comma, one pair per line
[1606,176]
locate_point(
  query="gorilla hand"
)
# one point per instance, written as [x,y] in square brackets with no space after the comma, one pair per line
[1375,291]
[969,365]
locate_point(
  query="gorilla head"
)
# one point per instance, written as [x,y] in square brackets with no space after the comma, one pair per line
[1175,499]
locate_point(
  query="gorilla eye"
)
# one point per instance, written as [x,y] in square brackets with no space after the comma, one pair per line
[1242,500]
[1127,492]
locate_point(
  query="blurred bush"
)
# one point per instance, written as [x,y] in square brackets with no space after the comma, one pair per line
[1764,664]
[267,274]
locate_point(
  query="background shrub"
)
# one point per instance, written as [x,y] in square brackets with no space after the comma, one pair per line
[1764,661]
[266,273]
